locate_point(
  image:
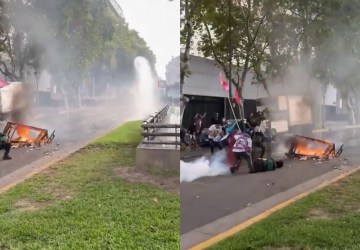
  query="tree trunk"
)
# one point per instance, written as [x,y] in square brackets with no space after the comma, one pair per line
[184,64]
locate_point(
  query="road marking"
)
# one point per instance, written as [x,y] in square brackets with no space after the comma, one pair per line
[222,236]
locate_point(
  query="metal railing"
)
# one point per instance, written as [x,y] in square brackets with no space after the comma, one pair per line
[152,126]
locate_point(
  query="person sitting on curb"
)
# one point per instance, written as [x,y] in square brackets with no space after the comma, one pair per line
[5,145]
[264,165]
[215,135]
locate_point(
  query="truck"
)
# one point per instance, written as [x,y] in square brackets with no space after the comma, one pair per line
[15,98]
[289,114]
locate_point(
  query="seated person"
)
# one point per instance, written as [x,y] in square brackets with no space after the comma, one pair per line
[6,145]
[264,165]
[215,135]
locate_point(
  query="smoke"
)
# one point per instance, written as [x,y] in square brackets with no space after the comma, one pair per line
[215,166]
[133,97]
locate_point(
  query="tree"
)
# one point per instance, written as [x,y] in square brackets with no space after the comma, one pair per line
[337,53]
[189,10]
[67,38]
[249,44]
[18,49]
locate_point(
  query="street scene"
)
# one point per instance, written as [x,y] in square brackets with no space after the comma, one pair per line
[269,114]
[79,83]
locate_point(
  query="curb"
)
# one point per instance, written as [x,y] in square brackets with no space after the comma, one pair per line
[323,130]
[225,227]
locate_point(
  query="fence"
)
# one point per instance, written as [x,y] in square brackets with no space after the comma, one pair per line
[153,125]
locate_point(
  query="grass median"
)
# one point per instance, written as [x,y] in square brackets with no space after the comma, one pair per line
[84,203]
[327,219]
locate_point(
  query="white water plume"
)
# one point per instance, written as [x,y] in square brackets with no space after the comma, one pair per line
[147,101]
[215,166]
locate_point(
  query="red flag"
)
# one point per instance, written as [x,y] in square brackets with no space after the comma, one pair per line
[236,97]
[3,83]
[224,84]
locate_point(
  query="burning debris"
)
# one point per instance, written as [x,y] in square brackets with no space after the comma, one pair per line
[22,135]
[305,148]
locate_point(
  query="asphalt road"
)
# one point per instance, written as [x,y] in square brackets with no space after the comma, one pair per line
[70,128]
[210,198]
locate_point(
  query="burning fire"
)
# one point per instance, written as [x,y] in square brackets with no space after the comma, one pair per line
[310,148]
[310,151]
[302,146]
[24,133]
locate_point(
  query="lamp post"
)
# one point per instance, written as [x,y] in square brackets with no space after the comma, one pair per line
[36,73]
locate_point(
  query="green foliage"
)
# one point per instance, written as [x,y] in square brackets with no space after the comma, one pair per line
[270,36]
[68,38]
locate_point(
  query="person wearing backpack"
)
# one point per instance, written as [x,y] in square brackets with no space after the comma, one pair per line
[267,164]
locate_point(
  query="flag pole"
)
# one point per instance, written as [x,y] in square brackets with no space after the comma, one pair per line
[234,114]
[225,86]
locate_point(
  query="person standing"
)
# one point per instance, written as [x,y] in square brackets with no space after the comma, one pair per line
[5,145]
[182,138]
[258,139]
[215,135]
[242,150]
[198,122]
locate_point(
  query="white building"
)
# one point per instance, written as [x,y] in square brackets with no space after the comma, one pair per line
[206,94]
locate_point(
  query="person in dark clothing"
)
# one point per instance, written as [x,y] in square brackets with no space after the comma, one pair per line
[182,137]
[198,122]
[264,165]
[5,145]
[215,119]
[259,138]
[192,132]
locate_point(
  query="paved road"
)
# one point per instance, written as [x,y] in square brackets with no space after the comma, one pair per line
[210,198]
[70,128]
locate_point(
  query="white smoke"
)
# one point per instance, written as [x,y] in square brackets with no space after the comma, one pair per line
[215,166]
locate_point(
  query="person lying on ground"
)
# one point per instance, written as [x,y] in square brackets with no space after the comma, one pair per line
[264,165]
[215,135]
[5,144]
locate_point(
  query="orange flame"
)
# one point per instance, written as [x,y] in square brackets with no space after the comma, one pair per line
[311,149]
[24,133]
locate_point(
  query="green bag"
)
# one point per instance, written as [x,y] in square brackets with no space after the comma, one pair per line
[269,165]
[3,138]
